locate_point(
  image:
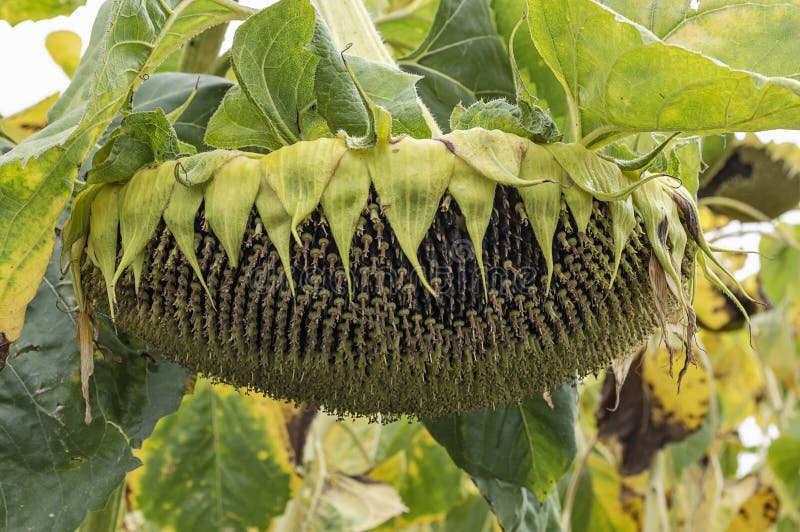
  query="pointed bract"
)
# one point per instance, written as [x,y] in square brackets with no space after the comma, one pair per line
[542,202]
[142,201]
[343,201]
[278,224]
[179,217]
[299,174]
[474,194]
[104,224]
[229,198]
[410,177]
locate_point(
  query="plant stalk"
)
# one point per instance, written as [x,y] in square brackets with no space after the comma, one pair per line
[351,26]
[200,53]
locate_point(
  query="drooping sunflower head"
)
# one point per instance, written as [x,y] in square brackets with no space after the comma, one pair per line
[415,276]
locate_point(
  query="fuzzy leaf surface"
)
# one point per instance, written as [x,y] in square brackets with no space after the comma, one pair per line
[624,79]
[169,90]
[275,68]
[141,138]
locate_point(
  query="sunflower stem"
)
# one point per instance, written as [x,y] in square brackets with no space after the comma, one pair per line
[351,26]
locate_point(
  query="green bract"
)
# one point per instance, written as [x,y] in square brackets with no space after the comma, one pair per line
[349,277]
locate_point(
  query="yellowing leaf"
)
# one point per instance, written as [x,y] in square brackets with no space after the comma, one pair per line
[759,512]
[229,198]
[28,121]
[612,502]
[687,409]
[410,177]
[737,373]
[215,462]
[65,49]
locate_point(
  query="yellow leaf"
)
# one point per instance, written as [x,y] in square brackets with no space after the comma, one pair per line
[65,49]
[759,512]
[737,374]
[28,121]
[687,409]
[622,505]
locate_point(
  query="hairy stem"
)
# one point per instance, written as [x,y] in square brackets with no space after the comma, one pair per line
[200,53]
[351,26]
[349,23]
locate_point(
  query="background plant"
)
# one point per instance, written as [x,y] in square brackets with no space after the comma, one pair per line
[227,459]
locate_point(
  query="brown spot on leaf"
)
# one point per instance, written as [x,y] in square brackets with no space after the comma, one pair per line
[5,347]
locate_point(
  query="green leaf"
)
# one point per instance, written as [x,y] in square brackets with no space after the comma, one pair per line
[338,100]
[170,90]
[134,36]
[226,467]
[405,27]
[396,92]
[780,263]
[341,104]
[15,11]
[517,509]
[784,459]
[472,514]
[462,59]
[275,68]
[53,467]
[759,24]
[142,138]
[623,79]
[237,124]
[524,443]
[534,71]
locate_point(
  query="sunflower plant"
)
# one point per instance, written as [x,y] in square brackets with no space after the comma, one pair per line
[402,264]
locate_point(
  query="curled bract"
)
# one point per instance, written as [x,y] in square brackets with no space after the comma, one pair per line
[417,276]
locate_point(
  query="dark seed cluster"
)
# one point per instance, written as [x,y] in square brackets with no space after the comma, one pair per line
[393,348]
